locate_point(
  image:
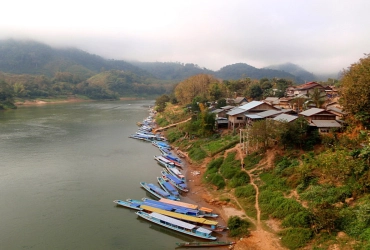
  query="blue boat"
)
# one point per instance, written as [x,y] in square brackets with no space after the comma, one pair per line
[128,204]
[157,191]
[177,225]
[163,161]
[171,169]
[168,187]
[171,207]
[173,158]
[178,183]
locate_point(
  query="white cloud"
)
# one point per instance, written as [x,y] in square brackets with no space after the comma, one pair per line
[319,35]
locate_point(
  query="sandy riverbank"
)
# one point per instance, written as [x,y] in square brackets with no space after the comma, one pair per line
[71,99]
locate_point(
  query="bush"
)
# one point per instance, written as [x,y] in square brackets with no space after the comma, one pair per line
[294,238]
[197,154]
[241,178]
[238,227]
[300,219]
[245,191]
[215,179]
[251,160]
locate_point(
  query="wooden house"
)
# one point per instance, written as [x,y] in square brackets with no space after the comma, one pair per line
[237,116]
[323,119]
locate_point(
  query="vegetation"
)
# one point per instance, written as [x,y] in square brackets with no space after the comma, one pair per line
[238,227]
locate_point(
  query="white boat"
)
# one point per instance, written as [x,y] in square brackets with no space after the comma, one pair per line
[177,225]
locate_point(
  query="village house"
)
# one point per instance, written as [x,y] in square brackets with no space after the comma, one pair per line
[237,116]
[323,119]
[305,89]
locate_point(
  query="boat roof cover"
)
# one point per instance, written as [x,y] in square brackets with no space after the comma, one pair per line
[174,179]
[157,189]
[203,230]
[179,216]
[172,221]
[206,209]
[169,186]
[179,203]
[169,207]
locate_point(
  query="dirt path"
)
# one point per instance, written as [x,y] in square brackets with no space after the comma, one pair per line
[259,238]
[169,126]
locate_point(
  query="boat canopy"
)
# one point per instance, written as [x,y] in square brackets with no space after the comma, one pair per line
[157,189]
[172,221]
[206,209]
[180,216]
[203,230]
[179,203]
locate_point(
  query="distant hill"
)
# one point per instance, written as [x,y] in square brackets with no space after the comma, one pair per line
[295,70]
[242,70]
[172,70]
[30,57]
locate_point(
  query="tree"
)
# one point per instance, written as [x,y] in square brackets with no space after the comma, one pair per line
[161,101]
[355,90]
[191,87]
[317,97]
[255,91]
[6,95]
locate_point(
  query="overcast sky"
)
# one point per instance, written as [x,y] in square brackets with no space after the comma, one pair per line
[322,36]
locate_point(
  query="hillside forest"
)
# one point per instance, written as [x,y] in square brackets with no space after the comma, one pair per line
[315,185]
[31,70]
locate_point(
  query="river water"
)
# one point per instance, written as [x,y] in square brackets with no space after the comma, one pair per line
[61,167]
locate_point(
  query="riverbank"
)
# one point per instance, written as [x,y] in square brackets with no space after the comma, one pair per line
[69,99]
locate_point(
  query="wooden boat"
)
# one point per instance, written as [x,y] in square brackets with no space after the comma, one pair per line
[168,187]
[177,225]
[179,184]
[171,169]
[177,164]
[171,207]
[207,212]
[205,244]
[157,191]
[183,217]
[128,204]
[172,157]
[163,161]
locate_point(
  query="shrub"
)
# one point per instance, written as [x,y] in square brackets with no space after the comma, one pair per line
[239,179]
[215,179]
[245,191]
[294,238]
[252,159]
[237,227]
[300,219]
[197,154]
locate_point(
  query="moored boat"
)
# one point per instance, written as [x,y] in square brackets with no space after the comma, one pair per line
[177,225]
[168,187]
[205,244]
[157,191]
[128,204]
[183,217]
[207,212]
[179,184]
[171,169]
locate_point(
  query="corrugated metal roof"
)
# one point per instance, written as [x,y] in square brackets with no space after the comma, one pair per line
[253,116]
[217,111]
[326,123]
[312,111]
[285,118]
[172,221]
[236,111]
[251,105]
[268,113]
[335,109]
[227,107]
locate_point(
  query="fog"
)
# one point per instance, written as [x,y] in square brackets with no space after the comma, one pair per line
[322,36]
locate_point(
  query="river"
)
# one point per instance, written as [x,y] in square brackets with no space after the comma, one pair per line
[61,167]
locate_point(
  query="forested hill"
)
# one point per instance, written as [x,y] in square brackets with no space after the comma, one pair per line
[294,70]
[181,71]
[30,57]
[242,70]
